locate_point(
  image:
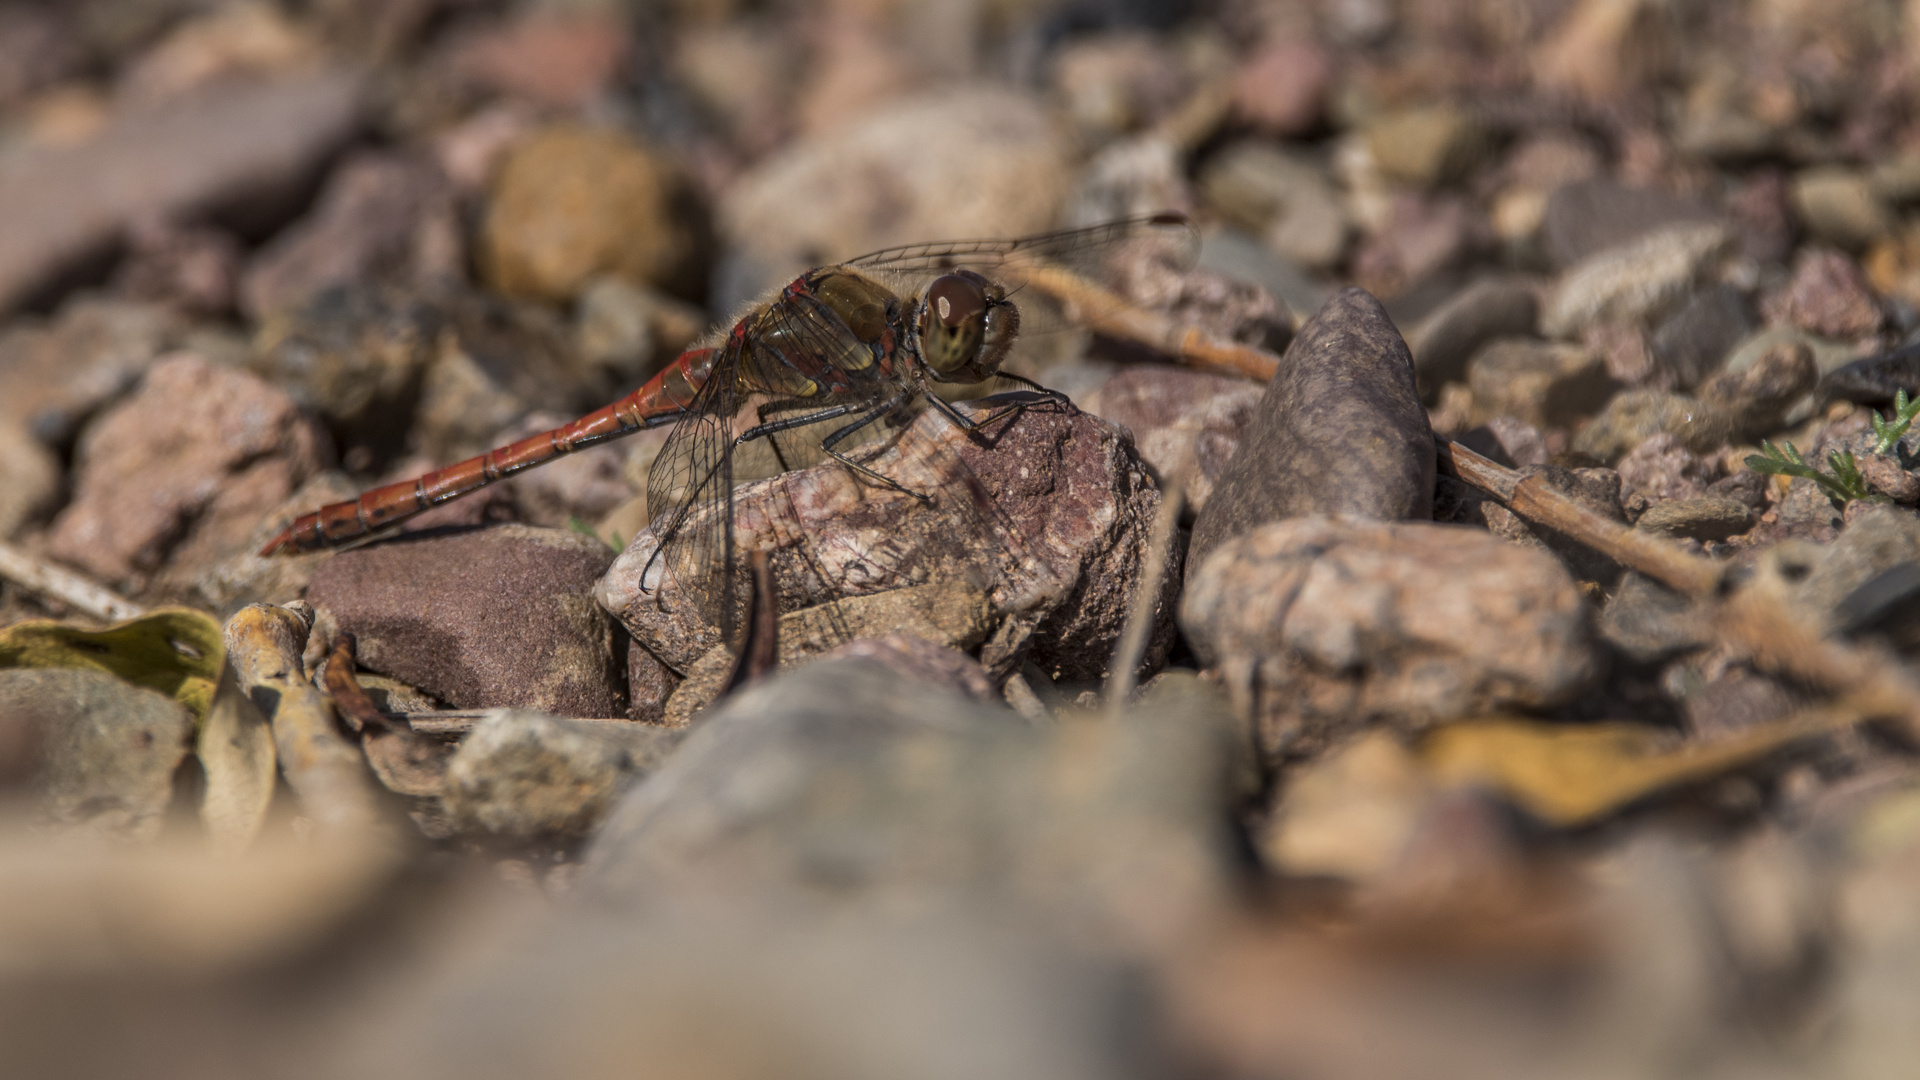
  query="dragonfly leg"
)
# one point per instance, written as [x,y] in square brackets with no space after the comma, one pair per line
[967,423]
[846,432]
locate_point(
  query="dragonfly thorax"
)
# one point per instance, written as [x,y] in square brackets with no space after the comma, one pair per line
[967,324]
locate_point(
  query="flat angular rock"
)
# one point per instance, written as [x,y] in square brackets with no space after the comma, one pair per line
[1635,416]
[1180,419]
[1875,380]
[1761,395]
[182,472]
[1340,429]
[104,750]
[1828,296]
[1046,518]
[489,618]
[526,775]
[1324,626]
[1543,383]
[1703,518]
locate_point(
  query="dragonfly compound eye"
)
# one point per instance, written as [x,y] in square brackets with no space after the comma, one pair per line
[961,326]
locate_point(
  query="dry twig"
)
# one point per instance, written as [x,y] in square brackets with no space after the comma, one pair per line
[40,576]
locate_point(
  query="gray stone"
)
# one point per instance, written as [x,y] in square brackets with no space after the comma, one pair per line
[104,750]
[1635,416]
[1703,518]
[527,776]
[1427,144]
[1183,421]
[493,617]
[1543,383]
[1448,337]
[1282,197]
[355,355]
[1639,281]
[1763,393]
[1648,621]
[1841,207]
[1589,216]
[1326,625]
[1875,380]
[1663,468]
[1877,540]
[1233,253]
[1340,429]
[1696,340]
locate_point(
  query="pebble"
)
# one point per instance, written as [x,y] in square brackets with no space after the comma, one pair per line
[1703,518]
[1340,429]
[1184,423]
[1333,624]
[521,775]
[1423,237]
[488,618]
[1542,383]
[1426,145]
[1598,490]
[1283,197]
[1636,282]
[1281,88]
[569,203]
[996,168]
[194,269]
[1634,416]
[1880,538]
[563,58]
[1761,394]
[355,355]
[29,478]
[1840,206]
[1650,622]
[1663,468]
[1234,254]
[495,361]
[194,156]
[55,376]
[1875,380]
[381,216]
[1448,336]
[1070,504]
[1827,296]
[1588,216]
[181,472]
[105,750]
[1693,343]
[1884,474]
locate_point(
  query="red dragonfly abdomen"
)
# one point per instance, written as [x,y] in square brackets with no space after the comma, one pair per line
[665,397]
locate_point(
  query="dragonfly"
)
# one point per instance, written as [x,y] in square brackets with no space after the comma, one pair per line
[812,373]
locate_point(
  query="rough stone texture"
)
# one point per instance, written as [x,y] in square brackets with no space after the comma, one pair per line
[1884,474]
[53,377]
[1663,468]
[29,478]
[1183,421]
[1542,383]
[1828,295]
[1340,429]
[1694,343]
[1703,518]
[232,144]
[526,775]
[1760,395]
[1589,216]
[106,750]
[1326,625]
[381,215]
[1636,282]
[997,168]
[182,471]
[1635,416]
[490,618]
[1057,544]
[1448,337]
[569,204]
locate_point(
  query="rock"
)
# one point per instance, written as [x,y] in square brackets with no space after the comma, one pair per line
[1511,442]
[1876,379]
[563,58]
[497,617]
[1883,474]
[1426,145]
[245,577]
[844,783]
[381,217]
[1541,383]
[1340,429]
[997,168]
[1598,490]
[29,479]
[1827,296]
[630,330]
[1635,416]
[1448,337]
[106,750]
[194,269]
[53,378]
[1841,207]
[1281,88]
[1109,85]
[922,661]
[1703,518]
[355,355]
[215,150]
[569,204]
[1759,396]
[523,775]
[1638,281]
[1422,237]
[1586,217]
[181,472]
[1055,537]
[1739,701]
[584,487]
[1661,468]
[1234,254]
[38,48]
[1284,198]
[1185,423]
[1335,624]
[1877,540]
[1746,487]
[1695,341]
[1649,622]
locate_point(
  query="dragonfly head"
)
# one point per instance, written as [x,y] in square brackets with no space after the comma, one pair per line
[967,324]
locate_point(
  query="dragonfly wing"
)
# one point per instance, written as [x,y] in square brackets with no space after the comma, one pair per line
[689,493]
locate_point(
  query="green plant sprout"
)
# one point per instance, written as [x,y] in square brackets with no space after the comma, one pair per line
[1887,433]
[1843,486]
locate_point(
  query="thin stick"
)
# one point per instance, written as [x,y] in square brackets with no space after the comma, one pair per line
[1133,636]
[1107,313]
[40,576]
